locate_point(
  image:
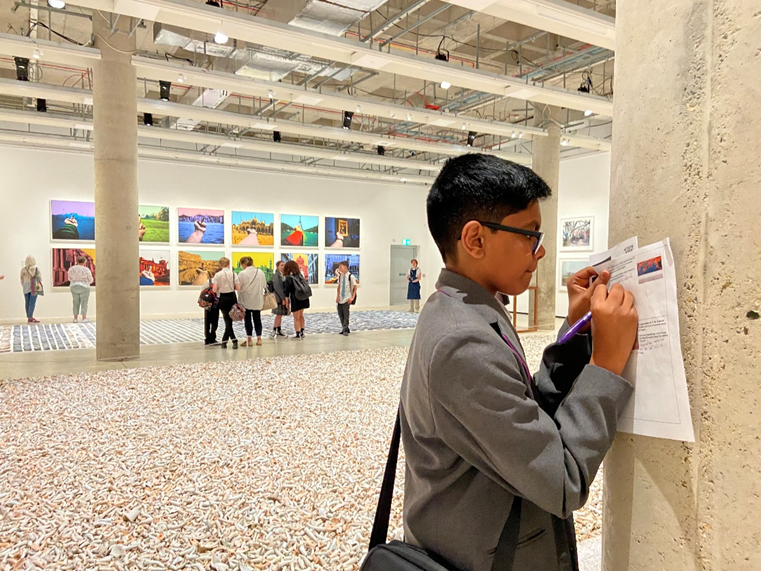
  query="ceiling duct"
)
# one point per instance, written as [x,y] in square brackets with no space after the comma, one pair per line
[198,42]
[209,98]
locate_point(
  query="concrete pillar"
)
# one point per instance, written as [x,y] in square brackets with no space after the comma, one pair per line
[545,161]
[116,203]
[685,164]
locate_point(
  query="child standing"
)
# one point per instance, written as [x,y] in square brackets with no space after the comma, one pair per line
[345,295]
[413,287]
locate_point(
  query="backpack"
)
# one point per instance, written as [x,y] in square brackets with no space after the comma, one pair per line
[207,298]
[302,291]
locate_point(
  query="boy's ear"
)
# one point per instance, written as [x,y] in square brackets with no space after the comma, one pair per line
[472,239]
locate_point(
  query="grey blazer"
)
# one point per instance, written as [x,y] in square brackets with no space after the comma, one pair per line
[477,430]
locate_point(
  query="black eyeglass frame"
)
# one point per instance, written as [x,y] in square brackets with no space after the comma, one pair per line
[539,236]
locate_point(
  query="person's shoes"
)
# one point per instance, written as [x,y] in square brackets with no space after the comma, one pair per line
[273,334]
[348,330]
[235,344]
[223,345]
[281,334]
[245,344]
[32,320]
[85,320]
[76,320]
[259,342]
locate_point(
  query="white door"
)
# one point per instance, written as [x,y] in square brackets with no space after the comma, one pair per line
[400,265]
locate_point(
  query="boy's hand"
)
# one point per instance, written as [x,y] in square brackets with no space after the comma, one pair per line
[580,292]
[614,331]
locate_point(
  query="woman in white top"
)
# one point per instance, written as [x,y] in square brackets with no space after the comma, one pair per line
[29,274]
[80,279]
[252,283]
[225,284]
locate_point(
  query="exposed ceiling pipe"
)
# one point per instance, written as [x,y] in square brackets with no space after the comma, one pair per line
[406,12]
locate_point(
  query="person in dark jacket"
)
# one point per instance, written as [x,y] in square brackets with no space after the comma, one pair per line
[278,288]
[293,303]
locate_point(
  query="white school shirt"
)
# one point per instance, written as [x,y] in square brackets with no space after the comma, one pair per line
[252,283]
[225,280]
[346,283]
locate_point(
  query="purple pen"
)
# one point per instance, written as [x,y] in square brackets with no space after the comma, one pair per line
[575,328]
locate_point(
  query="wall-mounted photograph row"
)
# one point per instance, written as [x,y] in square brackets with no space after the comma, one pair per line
[75,221]
[195,267]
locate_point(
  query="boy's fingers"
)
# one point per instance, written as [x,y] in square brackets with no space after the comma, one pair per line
[585,274]
[616,293]
[628,300]
[600,293]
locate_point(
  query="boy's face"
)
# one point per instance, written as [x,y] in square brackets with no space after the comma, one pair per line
[508,257]
[343,269]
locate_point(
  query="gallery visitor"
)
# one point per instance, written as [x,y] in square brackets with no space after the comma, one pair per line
[80,280]
[278,288]
[252,283]
[294,281]
[345,295]
[225,284]
[210,314]
[413,286]
[31,282]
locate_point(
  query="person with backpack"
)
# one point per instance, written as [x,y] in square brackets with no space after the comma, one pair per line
[346,295]
[278,288]
[209,301]
[31,283]
[297,293]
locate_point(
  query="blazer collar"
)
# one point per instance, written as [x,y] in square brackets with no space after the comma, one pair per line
[475,297]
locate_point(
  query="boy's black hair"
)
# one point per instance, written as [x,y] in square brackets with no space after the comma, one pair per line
[478,187]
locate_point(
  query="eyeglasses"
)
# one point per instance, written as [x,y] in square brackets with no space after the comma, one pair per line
[538,236]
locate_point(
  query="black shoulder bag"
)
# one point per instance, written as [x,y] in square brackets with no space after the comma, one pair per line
[400,556]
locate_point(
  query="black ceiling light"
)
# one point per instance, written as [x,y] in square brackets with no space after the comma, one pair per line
[22,68]
[586,83]
[276,136]
[165,87]
[472,138]
[213,3]
[148,119]
[347,119]
[381,150]
[42,105]
[442,55]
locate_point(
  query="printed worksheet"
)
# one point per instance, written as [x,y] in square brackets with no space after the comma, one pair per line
[660,405]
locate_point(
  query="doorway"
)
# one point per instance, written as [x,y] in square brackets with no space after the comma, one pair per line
[400,265]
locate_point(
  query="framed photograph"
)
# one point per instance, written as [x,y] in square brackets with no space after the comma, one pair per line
[154,224]
[341,232]
[201,226]
[566,268]
[196,267]
[154,268]
[253,229]
[577,234]
[308,263]
[64,258]
[331,266]
[72,221]
[299,231]
[265,261]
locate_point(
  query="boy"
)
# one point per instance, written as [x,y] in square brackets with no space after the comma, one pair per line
[345,294]
[488,447]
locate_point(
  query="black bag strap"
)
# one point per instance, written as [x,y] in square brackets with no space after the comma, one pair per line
[504,556]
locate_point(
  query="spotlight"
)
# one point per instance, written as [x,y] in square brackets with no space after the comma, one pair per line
[359,108]
[442,57]
[587,113]
[409,116]
[220,38]
[271,94]
[381,150]
[42,105]
[463,126]
[564,142]
[347,119]
[276,136]
[445,85]
[471,138]
[148,119]
[37,54]
[180,78]
[57,4]
[520,135]
[586,83]
[22,68]
[164,88]
[213,3]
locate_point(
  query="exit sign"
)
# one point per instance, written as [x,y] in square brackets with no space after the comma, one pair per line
[406,242]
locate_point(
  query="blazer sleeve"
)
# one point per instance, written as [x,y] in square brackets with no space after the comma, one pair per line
[482,410]
[561,365]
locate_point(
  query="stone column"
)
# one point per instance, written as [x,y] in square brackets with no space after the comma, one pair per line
[116,205]
[545,161]
[685,164]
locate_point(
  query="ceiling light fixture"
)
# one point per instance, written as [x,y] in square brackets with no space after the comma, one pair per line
[42,105]
[409,116]
[22,68]
[463,127]
[271,94]
[347,119]
[587,113]
[520,135]
[148,119]
[445,85]
[180,78]
[165,87]
[564,142]
[276,136]
[359,108]
[381,150]
[472,138]
[37,54]
[57,4]
[220,38]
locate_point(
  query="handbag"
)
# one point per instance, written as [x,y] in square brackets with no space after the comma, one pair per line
[270,301]
[237,312]
[400,556]
[37,288]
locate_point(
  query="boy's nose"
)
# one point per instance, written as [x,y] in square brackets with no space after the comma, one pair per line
[541,253]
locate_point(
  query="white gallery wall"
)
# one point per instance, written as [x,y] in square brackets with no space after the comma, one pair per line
[388,213]
[31,178]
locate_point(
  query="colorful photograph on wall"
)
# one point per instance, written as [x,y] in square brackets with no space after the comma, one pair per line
[262,260]
[154,224]
[197,267]
[154,267]
[253,229]
[299,231]
[650,270]
[201,226]
[576,233]
[331,266]
[309,264]
[64,258]
[341,232]
[72,220]
[567,269]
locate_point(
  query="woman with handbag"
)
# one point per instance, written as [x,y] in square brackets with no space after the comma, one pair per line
[281,309]
[225,284]
[293,303]
[252,283]
[31,282]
